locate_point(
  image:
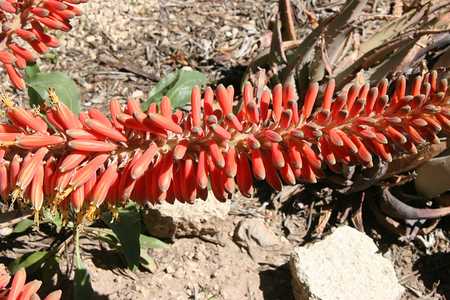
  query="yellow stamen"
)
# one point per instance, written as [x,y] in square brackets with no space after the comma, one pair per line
[36,217]
[6,99]
[7,144]
[60,196]
[52,97]
[80,218]
[17,193]
[114,213]
[91,213]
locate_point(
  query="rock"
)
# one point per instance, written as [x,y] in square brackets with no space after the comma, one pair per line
[432,177]
[344,265]
[169,221]
[261,243]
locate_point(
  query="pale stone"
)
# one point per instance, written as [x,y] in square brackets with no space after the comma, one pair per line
[182,219]
[344,265]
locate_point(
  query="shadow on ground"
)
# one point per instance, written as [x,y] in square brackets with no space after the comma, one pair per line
[276,283]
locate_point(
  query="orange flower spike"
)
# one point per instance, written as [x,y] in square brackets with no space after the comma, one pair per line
[244,177]
[310,156]
[14,76]
[63,113]
[49,171]
[363,154]
[286,172]
[141,165]
[216,154]
[104,183]
[208,99]
[326,152]
[37,192]
[163,123]
[252,112]
[328,95]
[233,122]
[72,160]
[134,109]
[56,295]
[165,172]
[30,289]
[224,99]
[277,156]
[338,105]
[38,141]
[27,172]
[309,100]
[84,173]
[4,187]
[4,280]
[100,128]
[264,104]
[115,109]
[196,107]
[22,117]
[81,134]
[257,164]
[347,141]
[295,157]
[77,198]
[371,99]
[17,284]
[289,94]
[230,169]
[400,89]
[272,177]
[99,116]
[432,80]
[292,105]
[277,101]
[91,146]
[201,177]
[247,95]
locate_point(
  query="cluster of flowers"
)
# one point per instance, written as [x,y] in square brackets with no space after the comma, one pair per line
[162,155]
[24,23]
[20,290]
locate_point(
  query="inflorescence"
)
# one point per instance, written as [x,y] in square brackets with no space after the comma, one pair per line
[21,290]
[62,160]
[24,24]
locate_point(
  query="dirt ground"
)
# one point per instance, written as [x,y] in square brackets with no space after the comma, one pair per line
[122,48]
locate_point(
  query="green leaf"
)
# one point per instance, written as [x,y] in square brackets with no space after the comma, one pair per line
[177,86]
[66,89]
[28,260]
[82,287]
[23,226]
[147,262]
[127,228]
[54,218]
[148,242]
[31,71]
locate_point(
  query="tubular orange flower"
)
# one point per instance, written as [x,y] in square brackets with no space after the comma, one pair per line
[25,22]
[20,290]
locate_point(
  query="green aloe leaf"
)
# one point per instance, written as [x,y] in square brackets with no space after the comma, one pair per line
[148,242]
[148,262]
[127,228]
[34,259]
[23,225]
[38,84]
[177,86]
